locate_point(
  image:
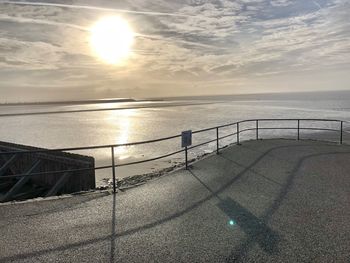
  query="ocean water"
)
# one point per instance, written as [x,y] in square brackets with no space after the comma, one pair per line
[117,123]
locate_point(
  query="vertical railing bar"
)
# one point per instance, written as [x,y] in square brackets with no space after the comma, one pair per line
[257,129]
[298,129]
[217,140]
[113,170]
[341,132]
[186,158]
[237,133]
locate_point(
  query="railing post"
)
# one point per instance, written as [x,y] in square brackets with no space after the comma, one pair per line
[186,158]
[257,129]
[237,133]
[298,129]
[341,132]
[217,140]
[113,169]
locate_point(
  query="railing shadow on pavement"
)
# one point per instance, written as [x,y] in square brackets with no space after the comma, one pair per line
[236,253]
[239,253]
[251,225]
[150,225]
[113,230]
[113,236]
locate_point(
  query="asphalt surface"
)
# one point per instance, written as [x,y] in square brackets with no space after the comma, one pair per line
[263,201]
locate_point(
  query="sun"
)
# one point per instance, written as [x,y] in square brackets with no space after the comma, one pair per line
[111,39]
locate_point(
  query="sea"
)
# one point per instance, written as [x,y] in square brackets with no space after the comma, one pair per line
[104,123]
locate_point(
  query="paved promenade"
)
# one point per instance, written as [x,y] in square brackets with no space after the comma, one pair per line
[263,201]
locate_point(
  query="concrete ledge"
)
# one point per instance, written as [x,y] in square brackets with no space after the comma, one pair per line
[49,161]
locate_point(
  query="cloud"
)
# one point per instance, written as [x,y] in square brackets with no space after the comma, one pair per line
[24,20]
[211,43]
[281,2]
[89,7]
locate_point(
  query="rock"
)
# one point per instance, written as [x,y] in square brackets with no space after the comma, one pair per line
[110,181]
[102,187]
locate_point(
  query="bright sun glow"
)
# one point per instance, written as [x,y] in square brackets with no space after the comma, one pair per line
[111,39]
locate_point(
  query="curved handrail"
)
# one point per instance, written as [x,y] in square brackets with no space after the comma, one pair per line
[112,146]
[160,139]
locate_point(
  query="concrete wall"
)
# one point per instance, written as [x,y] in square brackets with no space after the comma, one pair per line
[52,161]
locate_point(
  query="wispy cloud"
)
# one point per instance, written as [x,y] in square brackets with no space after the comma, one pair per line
[18,19]
[281,2]
[91,7]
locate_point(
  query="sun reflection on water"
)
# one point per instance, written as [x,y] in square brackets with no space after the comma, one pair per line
[122,120]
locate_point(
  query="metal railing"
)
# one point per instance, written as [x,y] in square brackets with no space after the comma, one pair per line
[238,131]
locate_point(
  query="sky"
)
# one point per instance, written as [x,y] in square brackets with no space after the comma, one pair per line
[181,48]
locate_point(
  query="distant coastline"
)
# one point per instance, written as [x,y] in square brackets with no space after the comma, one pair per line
[68,102]
[305,95]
